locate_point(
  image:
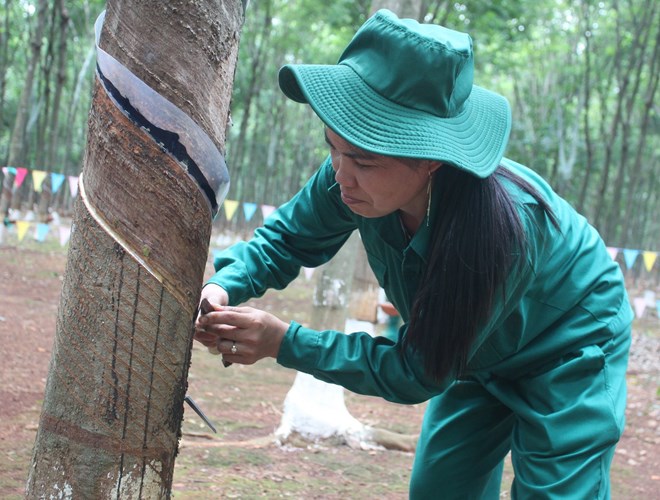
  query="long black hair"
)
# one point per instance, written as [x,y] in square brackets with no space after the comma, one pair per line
[477,240]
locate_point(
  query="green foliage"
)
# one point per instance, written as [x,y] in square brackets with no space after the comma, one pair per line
[71,131]
[581,76]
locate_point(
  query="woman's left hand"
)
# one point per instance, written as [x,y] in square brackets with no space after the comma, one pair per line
[244,334]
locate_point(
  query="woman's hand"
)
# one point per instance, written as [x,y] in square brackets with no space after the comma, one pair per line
[216,297]
[241,334]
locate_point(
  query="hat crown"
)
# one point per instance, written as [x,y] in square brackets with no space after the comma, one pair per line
[421,66]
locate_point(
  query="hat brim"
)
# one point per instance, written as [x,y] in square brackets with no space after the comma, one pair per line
[474,140]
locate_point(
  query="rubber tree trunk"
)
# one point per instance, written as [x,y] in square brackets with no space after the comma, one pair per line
[113,407]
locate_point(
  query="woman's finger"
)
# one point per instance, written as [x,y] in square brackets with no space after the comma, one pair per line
[204,336]
[219,330]
[232,351]
[236,317]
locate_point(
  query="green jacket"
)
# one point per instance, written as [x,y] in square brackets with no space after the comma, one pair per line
[569,293]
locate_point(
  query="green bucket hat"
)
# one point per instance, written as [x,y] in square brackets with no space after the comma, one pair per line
[405,89]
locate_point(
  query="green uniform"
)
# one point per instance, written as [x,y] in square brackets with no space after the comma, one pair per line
[546,375]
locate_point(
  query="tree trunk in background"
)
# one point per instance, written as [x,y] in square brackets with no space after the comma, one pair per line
[5,62]
[332,293]
[16,157]
[113,406]
[256,71]
[61,21]
[314,409]
[54,125]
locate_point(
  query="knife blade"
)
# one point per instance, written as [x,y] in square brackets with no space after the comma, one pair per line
[199,412]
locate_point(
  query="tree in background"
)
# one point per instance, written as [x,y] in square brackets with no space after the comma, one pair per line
[112,411]
[581,76]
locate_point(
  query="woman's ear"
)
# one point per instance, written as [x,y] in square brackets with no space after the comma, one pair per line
[432,165]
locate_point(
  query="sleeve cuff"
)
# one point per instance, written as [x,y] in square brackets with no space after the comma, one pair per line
[299,349]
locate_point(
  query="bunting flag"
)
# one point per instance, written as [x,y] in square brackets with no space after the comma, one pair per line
[639,304]
[73,185]
[649,259]
[266,210]
[38,177]
[249,210]
[630,256]
[21,228]
[20,176]
[613,252]
[56,181]
[649,297]
[230,208]
[41,232]
[65,234]
[309,271]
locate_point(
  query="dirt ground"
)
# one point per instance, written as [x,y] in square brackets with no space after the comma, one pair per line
[245,403]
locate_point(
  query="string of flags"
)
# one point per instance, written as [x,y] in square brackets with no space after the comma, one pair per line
[249,209]
[41,230]
[38,178]
[630,256]
[22,227]
[62,232]
[57,180]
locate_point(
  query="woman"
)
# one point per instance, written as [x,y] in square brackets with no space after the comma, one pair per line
[516,321]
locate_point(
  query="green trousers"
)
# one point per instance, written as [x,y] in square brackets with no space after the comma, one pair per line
[560,423]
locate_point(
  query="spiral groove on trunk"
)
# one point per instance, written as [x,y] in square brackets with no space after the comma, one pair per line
[113,407]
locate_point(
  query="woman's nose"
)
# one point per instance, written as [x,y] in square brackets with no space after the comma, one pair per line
[343,174]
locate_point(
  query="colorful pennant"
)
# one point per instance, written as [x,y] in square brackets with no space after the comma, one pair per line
[41,231]
[266,210]
[649,259]
[613,252]
[65,233]
[73,185]
[38,177]
[230,208]
[56,181]
[630,256]
[639,304]
[20,176]
[249,210]
[21,228]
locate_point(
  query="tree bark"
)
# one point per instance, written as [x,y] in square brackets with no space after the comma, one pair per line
[113,407]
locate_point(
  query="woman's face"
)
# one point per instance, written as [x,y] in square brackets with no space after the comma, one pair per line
[375,185]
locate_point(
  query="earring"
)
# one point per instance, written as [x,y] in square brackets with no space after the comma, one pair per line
[429,191]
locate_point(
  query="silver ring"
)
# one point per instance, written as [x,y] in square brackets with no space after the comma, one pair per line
[233,348]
